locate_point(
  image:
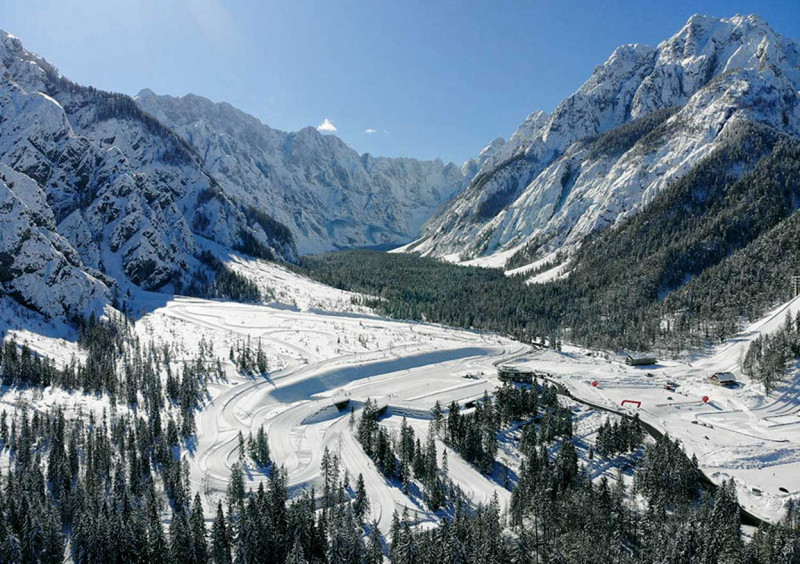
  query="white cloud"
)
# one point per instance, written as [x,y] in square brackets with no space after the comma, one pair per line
[370,131]
[326,126]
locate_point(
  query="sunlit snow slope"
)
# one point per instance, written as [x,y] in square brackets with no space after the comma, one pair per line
[317,359]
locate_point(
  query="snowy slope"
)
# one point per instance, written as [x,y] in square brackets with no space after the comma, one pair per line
[562,176]
[111,191]
[327,194]
[38,266]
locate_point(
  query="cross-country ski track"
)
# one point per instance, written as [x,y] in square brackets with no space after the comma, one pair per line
[404,366]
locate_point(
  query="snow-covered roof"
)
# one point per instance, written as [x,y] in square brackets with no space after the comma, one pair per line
[724,377]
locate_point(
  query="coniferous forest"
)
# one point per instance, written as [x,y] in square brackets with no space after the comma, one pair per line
[114,486]
[725,260]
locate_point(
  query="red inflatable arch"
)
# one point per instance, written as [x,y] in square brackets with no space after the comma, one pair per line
[638,403]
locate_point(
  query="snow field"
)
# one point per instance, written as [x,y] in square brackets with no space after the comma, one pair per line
[740,433]
[318,359]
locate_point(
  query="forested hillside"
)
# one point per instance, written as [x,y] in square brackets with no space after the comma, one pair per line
[713,250]
[625,282]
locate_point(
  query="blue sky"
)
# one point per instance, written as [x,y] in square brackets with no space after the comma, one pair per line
[398,78]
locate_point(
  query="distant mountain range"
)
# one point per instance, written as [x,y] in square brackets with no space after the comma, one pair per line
[328,195]
[102,192]
[643,120]
[99,194]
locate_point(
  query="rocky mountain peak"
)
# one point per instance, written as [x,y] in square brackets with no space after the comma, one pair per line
[546,184]
[99,195]
[324,191]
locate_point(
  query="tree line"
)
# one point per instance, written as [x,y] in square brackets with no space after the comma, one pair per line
[768,356]
[724,260]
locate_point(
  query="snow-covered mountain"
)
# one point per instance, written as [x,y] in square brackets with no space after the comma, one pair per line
[97,194]
[326,193]
[642,120]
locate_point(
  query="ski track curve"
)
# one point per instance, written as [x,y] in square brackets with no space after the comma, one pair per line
[296,405]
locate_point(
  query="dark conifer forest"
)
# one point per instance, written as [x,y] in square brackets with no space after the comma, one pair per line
[725,259]
[113,486]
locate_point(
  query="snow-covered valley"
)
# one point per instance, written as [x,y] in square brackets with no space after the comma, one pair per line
[327,356]
[324,360]
[182,378]
[318,358]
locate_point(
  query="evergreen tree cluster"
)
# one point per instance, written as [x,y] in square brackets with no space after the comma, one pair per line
[471,535]
[97,479]
[116,364]
[768,356]
[219,281]
[265,526]
[516,402]
[247,359]
[20,366]
[559,514]
[619,437]
[374,439]
[474,435]
[780,543]
[410,287]
[258,448]
[104,341]
[103,482]
[404,459]
[666,472]
[186,390]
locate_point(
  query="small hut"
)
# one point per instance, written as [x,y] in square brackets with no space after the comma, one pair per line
[640,359]
[726,379]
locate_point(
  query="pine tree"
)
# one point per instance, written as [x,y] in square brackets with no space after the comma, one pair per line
[375,546]
[436,412]
[296,555]
[236,484]
[199,533]
[361,501]
[220,543]
[181,544]
[157,548]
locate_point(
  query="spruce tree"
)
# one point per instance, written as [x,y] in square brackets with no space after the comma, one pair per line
[199,533]
[220,542]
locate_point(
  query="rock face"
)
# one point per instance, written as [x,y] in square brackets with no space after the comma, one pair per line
[643,119]
[328,195]
[95,191]
[37,265]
